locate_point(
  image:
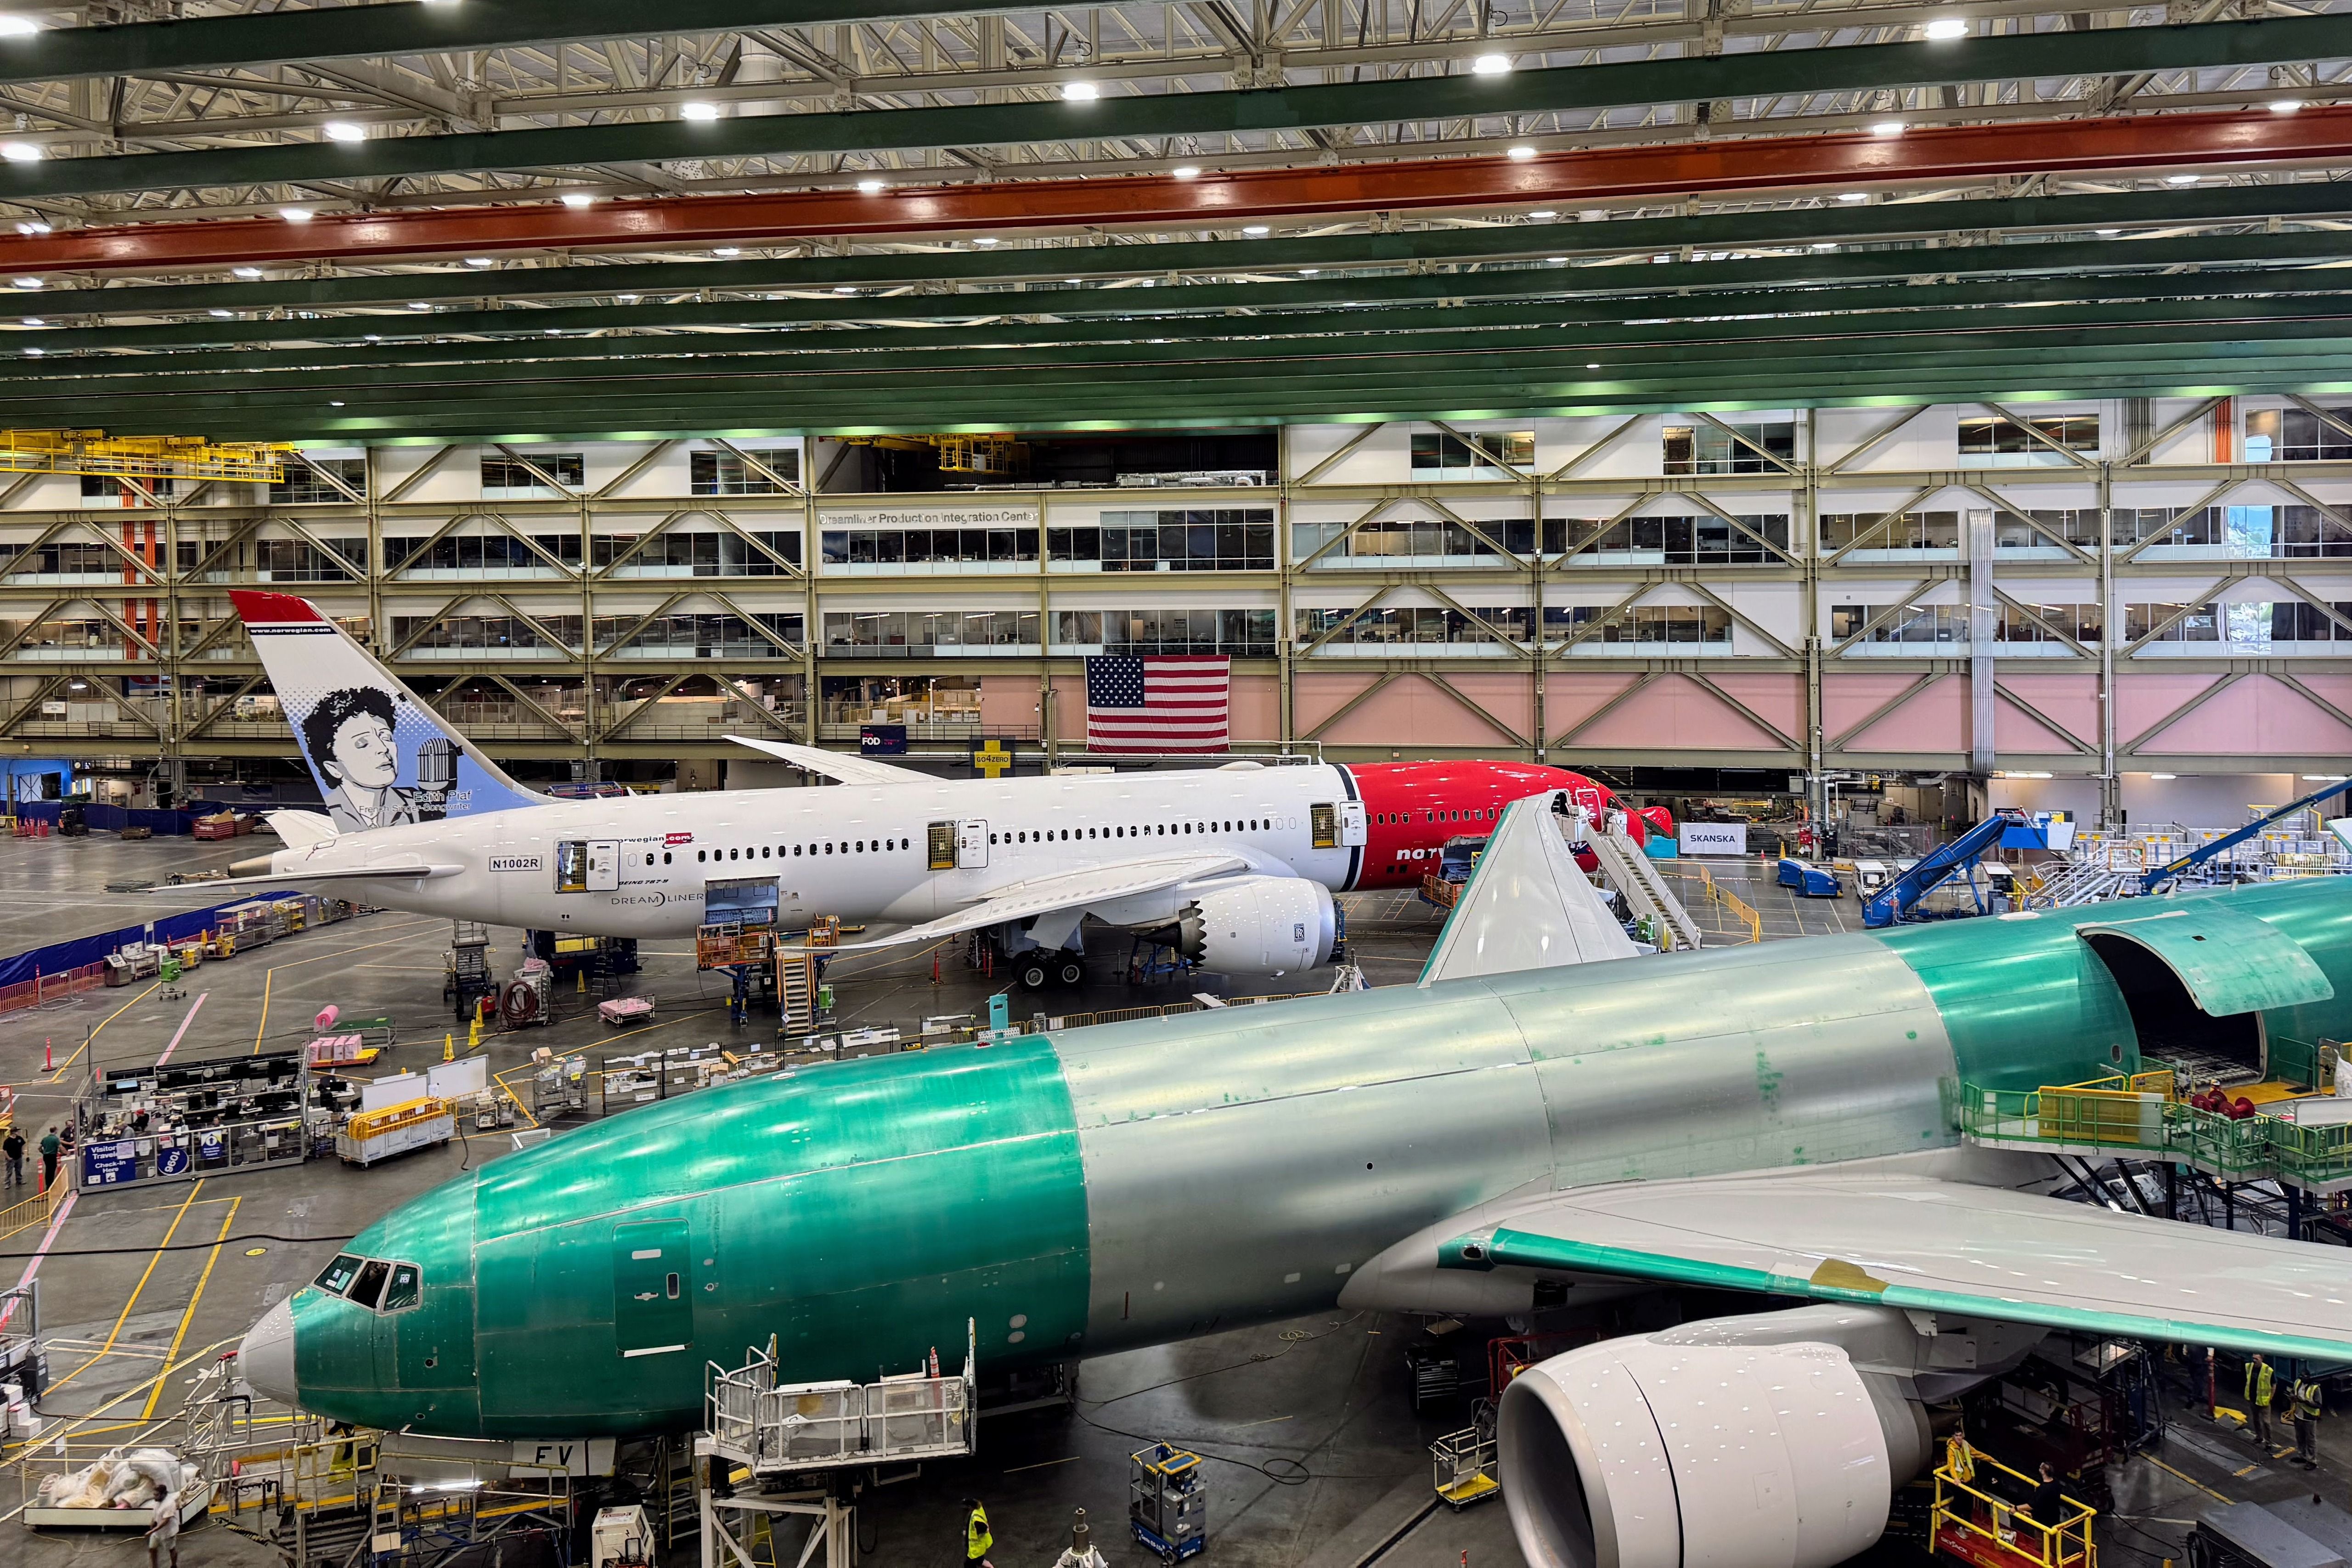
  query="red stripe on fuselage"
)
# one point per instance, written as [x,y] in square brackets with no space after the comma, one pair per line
[1411,809]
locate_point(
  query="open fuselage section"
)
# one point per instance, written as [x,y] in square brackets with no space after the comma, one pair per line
[1102,1188]
[909,852]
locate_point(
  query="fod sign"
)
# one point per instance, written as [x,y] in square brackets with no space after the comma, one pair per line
[1713,838]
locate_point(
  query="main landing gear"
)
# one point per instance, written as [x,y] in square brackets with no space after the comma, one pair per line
[1036,970]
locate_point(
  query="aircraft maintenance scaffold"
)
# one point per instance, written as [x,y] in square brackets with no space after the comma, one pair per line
[2138,1117]
[772,1429]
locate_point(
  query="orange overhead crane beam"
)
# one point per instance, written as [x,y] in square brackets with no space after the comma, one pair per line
[2230,139]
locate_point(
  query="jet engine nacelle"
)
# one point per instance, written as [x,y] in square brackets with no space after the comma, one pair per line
[1259,926]
[1650,1452]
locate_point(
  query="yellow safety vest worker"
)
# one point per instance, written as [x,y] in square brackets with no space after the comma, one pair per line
[977,1540]
[2258,1383]
[1959,1460]
[2304,1397]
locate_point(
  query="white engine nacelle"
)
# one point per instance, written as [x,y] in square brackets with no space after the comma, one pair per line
[1659,1452]
[1259,926]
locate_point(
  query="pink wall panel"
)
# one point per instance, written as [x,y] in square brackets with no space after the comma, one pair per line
[1935,720]
[1779,697]
[2072,701]
[2142,699]
[1009,701]
[1678,713]
[1413,712]
[1257,708]
[2256,715]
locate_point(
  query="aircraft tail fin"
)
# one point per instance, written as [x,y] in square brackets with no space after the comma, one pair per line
[381,756]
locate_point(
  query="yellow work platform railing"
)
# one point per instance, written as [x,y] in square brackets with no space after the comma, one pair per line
[1977,1526]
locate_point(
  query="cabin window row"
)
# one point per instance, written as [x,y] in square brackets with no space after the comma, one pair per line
[827,846]
[1144,830]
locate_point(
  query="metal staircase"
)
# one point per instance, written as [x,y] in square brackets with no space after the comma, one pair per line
[1629,871]
[2080,884]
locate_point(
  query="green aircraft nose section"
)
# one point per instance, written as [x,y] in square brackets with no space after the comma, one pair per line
[396,1348]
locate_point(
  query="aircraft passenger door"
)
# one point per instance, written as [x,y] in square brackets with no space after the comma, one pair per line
[941,844]
[1323,822]
[603,867]
[970,845]
[1352,830]
[582,866]
[653,1304]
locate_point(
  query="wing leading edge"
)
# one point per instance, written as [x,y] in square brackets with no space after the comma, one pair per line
[1929,1244]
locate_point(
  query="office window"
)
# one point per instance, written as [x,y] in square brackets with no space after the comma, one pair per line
[298,561]
[1241,634]
[1681,541]
[725,474]
[1390,538]
[1994,442]
[921,633]
[1437,453]
[1910,530]
[701,636]
[1169,538]
[697,553]
[2087,623]
[303,484]
[1923,624]
[1703,449]
[105,487]
[2291,435]
[511,479]
[1417,625]
[889,549]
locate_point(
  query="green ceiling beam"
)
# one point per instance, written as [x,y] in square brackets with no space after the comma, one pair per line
[210,42]
[1840,221]
[2115,51]
[1865,313]
[1537,283]
[1337,386]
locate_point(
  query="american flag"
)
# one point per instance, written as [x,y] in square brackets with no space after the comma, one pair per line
[1152,704]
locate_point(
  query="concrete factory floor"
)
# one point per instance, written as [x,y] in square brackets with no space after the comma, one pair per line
[1316,1457]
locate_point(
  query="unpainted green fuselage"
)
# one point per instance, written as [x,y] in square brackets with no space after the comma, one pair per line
[1098,1189]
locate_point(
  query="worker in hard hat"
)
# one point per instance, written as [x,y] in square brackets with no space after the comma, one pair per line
[976,1538]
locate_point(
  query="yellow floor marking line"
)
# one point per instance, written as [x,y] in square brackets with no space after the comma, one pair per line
[152,1258]
[93,1033]
[188,1317]
[269,977]
[2192,1481]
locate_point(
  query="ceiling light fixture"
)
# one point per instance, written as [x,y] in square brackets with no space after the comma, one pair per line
[698,111]
[32,283]
[2180,179]
[2164,778]
[296,215]
[36,351]
[419,305]
[1256,230]
[723,250]
[373,337]
[1186,170]
[32,225]
[2286,105]
[1080,92]
[845,288]
[246,272]
[342,131]
[624,299]
[869,187]
[2106,233]
[222,315]
[334,403]
[1491,64]
[1520,153]
[1557,260]
[19,26]
[480,262]
[21,153]
[36,322]
[1946,28]
[1592,367]
[1889,128]
[985,239]
[1544,212]
[578,199]
[1854,195]
[1825,245]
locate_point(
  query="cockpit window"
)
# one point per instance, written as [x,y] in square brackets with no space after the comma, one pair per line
[406,1287]
[338,1276]
[370,1284]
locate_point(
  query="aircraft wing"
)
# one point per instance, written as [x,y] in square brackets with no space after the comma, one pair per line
[1529,905]
[1068,892]
[833,764]
[304,879]
[1935,1245]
